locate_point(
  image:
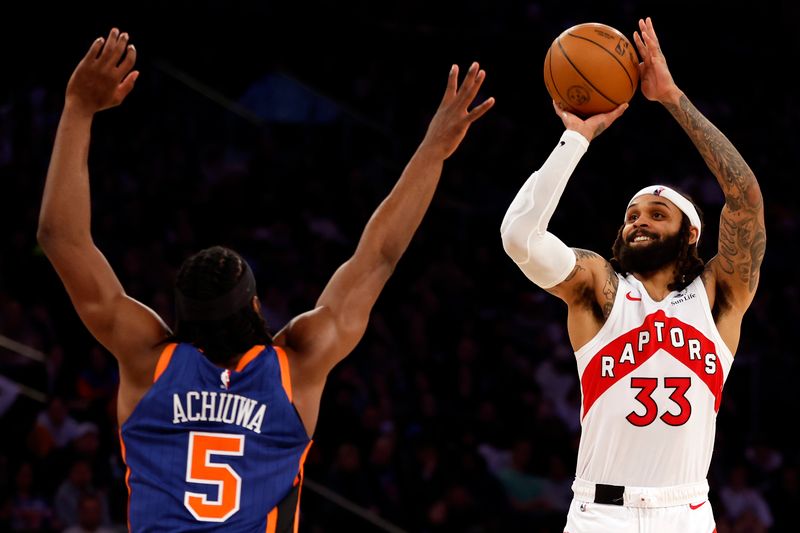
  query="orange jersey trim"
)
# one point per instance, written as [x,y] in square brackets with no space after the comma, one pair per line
[272,521]
[272,517]
[249,356]
[163,361]
[302,463]
[127,477]
[286,377]
[300,488]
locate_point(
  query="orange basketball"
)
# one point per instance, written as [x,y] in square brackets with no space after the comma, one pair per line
[591,68]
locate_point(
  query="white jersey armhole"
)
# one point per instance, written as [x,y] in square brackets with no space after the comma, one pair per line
[722,350]
[590,346]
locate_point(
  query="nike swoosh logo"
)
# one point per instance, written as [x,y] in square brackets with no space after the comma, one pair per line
[698,506]
[632,298]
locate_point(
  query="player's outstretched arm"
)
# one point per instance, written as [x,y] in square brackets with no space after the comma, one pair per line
[581,278]
[325,335]
[570,274]
[129,330]
[742,235]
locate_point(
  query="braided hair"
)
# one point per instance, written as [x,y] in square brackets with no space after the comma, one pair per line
[206,275]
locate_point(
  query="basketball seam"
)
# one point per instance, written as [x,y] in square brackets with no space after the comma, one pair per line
[604,49]
[552,78]
[598,91]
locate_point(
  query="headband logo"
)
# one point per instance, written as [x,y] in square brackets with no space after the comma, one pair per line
[658,191]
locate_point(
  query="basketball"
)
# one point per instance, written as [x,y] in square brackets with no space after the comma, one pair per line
[591,68]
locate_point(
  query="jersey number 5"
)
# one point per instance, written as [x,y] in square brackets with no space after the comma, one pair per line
[201,469]
[646,387]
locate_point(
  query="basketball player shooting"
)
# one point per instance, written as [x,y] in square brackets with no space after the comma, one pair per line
[654,329]
[216,418]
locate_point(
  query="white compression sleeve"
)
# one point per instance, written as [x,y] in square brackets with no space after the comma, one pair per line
[543,258]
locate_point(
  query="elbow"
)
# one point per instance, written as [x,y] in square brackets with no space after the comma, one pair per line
[388,260]
[515,247]
[44,236]
[50,237]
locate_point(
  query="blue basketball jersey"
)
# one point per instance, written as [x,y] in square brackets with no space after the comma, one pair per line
[210,449]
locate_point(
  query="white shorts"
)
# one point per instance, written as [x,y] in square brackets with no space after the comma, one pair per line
[680,509]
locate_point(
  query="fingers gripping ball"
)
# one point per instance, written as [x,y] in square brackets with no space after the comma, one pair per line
[591,68]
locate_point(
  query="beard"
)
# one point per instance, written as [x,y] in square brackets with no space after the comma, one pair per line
[650,257]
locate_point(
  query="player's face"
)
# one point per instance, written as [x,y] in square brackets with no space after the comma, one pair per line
[650,218]
[651,238]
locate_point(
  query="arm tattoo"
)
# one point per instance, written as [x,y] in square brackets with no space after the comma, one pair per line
[609,290]
[580,254]
[742,235]
[602,306]
[574,272]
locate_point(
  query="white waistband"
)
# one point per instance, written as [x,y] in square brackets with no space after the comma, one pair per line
[649,496]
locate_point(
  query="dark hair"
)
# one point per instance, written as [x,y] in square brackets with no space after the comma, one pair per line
[688,265]
[206,275]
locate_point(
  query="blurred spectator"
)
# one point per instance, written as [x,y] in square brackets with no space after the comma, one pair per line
[56,424]
[68,496]
[30,511]
[525,489]
[744,509]
[764,461]
[784,500]
[90,517]
[97,382]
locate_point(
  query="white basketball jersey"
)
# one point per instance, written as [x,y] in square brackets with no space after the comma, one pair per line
[651,382]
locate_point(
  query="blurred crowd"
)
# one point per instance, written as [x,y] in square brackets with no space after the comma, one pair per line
[459,410]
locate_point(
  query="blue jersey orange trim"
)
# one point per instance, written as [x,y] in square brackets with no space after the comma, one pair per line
[300,477]
[127,479]
[286,377]
[181,403]
[249,356]
[163,360]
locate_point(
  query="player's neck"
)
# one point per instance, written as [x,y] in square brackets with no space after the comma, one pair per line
[656,283]
[228,364]
[233,362]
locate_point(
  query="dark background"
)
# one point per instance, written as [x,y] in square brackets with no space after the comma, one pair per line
[463,355]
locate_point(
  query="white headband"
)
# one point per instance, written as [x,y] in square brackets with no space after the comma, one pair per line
[676,198]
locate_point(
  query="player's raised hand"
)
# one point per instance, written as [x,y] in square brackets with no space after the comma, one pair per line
[592,126]
[453,118]
[656,81]
[104,77]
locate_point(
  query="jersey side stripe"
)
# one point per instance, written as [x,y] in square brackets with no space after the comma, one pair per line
[163,360]
[272,520]
[128,473]
[286,378]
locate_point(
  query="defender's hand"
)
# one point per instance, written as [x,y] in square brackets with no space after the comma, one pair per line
[104,77]
[453,118]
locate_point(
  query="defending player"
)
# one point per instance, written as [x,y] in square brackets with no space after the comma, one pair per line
[216,419]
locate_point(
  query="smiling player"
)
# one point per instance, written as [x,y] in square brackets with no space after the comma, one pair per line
[654,329]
